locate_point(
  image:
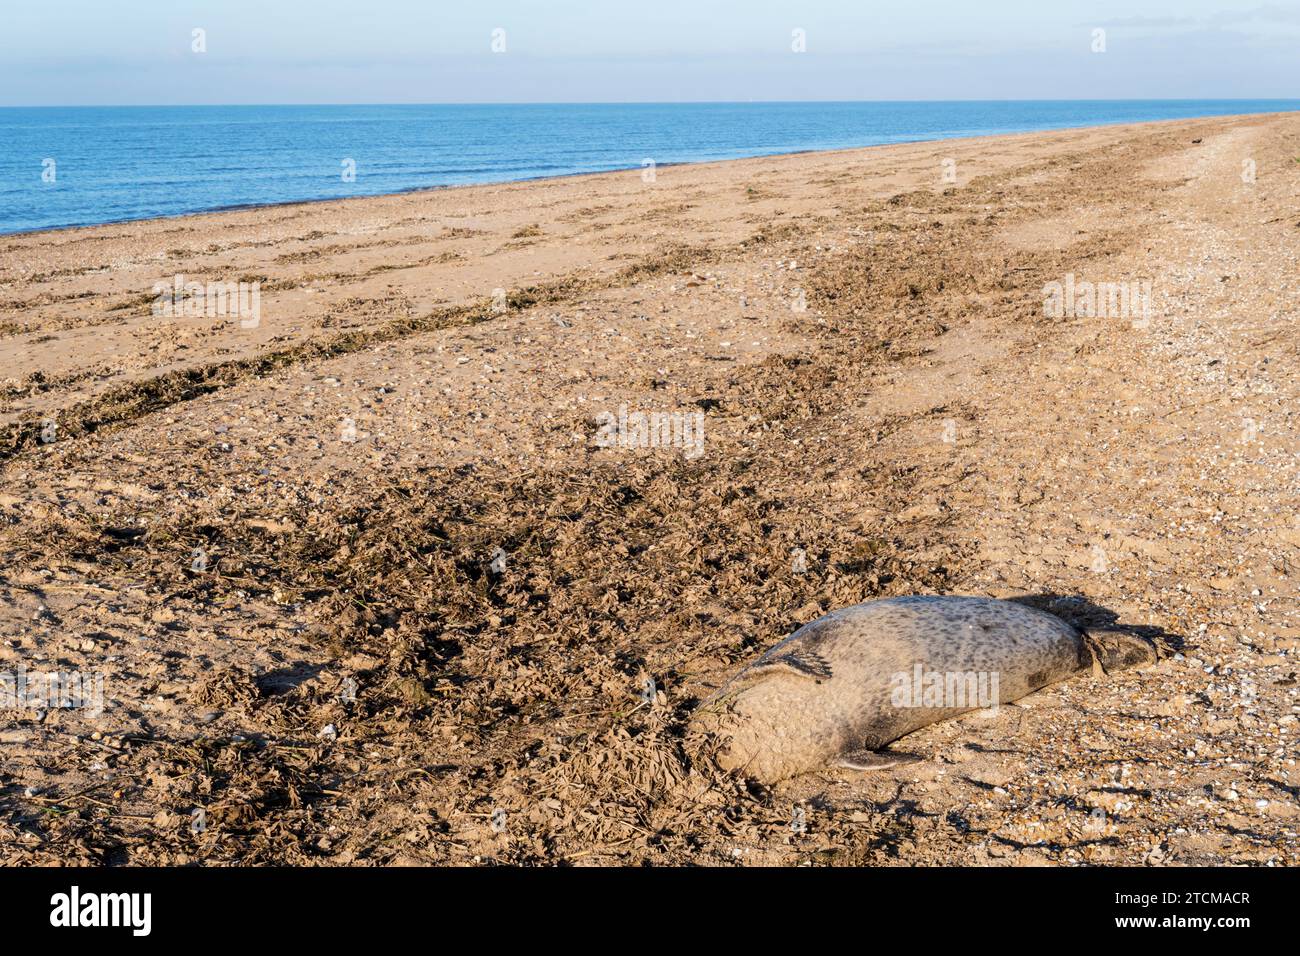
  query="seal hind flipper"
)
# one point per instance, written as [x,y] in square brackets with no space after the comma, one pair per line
[873,759]
[1110,650]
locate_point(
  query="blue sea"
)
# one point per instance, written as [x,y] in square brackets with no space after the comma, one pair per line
[74,166]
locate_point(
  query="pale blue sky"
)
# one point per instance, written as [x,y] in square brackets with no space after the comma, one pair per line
[78,52]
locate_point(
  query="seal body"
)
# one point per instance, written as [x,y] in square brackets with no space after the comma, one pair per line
[845,685]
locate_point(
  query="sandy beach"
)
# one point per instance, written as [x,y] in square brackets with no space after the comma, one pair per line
[367,581]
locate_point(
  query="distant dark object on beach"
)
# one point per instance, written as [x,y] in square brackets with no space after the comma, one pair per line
[1195,141]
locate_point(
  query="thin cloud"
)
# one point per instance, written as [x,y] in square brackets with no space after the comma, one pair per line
[1268,13]
[1146,22]
[1263,14]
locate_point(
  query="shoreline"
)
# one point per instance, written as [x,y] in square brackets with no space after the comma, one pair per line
[419,190]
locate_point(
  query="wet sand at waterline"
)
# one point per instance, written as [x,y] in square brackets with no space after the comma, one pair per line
[430,558]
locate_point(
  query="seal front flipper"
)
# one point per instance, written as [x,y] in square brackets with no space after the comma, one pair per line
[802,662]
[873,759]
[804,665]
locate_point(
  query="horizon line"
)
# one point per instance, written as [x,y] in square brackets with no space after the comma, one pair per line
[1103,99]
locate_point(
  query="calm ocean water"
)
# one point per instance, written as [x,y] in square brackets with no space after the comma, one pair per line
[83,165]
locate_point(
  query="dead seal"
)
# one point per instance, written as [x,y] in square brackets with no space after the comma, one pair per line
[842,687]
